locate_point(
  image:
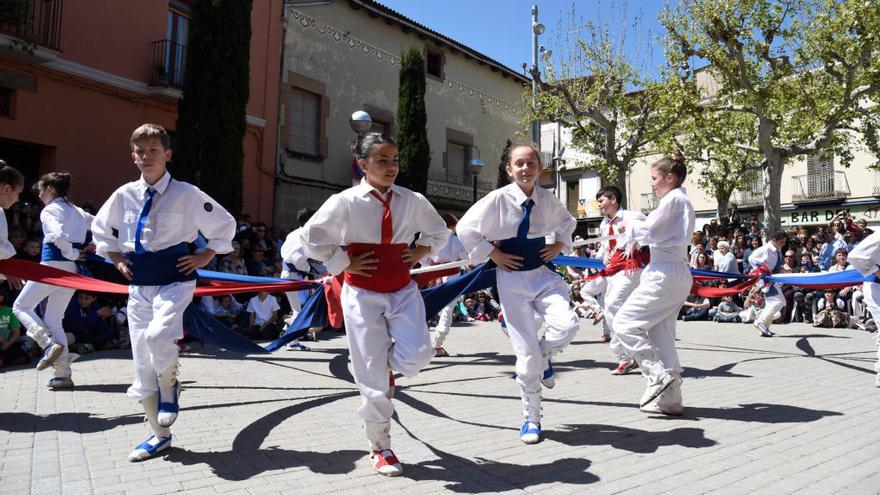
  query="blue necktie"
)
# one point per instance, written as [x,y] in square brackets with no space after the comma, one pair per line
[523,231]
[142,220]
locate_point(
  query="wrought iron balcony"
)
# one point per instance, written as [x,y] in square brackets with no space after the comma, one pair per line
[752,195]
[34,22]
[456,188]
[169,64]
[649,202]
[820,187]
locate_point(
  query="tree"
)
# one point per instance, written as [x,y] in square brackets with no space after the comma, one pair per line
[800,71]
[503,178]
[211,121]
[412,123]
[616,111]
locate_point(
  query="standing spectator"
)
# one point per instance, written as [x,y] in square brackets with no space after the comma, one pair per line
[754,244]
[828,250]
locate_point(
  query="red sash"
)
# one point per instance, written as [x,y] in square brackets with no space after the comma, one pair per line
[391,273]
[619,262]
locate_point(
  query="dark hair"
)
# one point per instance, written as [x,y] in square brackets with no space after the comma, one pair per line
[610,192]
[366,143]
[531,146]
[778,234]
[151,131]
[10,175]
[60,181]
[674,165]
[450,219]
[303,215]
[841,250]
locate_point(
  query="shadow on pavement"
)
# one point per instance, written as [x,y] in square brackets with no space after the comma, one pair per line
[22,422]
[631,439]
[247,459]
[757,413]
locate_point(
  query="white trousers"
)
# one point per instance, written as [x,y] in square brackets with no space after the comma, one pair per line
[372,320]
[646,321]
[871,290]
[772,306]
[620,286]
[32,295]
[527,299]
[293,296]
[155,324]
[444,323]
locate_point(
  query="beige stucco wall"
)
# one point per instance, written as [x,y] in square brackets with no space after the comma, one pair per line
[358,58]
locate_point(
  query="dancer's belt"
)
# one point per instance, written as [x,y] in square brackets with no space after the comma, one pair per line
[160,267]
[529,249]
[391,273]
[52,253]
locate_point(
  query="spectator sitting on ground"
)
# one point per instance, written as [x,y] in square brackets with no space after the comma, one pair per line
[263,319]
[485,308]
[258,266]
[233,262]
[695,308]
[12,345]
[31,250]
[466,307]
[90,323]
[832,312]
[727,311]
[229,311]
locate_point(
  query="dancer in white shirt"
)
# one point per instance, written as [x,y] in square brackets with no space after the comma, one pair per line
[521,227]
[865,257]
[768,259]
[623,269]
[296,266]
[64,234]
[646,321]
[11,185]
[452,251]
[157,219]
[382,306]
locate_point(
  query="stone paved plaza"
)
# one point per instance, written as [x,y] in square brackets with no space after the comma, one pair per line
[796,413]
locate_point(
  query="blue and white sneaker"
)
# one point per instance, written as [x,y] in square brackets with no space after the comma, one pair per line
[296,346]
[530,432]
[548,379]
[149,448]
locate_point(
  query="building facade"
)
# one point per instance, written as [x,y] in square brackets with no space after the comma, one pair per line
[77,77]
[343,56]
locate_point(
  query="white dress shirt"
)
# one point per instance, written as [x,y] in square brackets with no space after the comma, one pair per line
[179,212]
[292,251]
[766,255]
[7,250]
[667,230]
[355,216]
[605,229]
[497,216]
[63,224]
[865,256]
[453,250]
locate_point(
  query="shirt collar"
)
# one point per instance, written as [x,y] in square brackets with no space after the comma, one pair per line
[519,197]
[160,186]
[364,188]
[616,216]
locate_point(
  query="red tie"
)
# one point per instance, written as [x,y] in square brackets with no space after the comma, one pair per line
[387,229]
[612,244]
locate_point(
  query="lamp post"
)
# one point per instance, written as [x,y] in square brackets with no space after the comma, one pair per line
[360,122]
[476,165]
[537,30]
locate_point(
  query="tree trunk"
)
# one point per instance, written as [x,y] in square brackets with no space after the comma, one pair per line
[723,199]
[621,183]
[772,175]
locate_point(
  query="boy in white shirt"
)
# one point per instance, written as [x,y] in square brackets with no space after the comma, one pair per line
[511,225]
[262,316]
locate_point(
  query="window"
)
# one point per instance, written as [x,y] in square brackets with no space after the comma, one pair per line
[434,63]
[456,162]
[820,174]
[177,35]
[303,121]
[7,99]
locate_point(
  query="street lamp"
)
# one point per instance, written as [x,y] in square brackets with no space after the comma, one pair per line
[360,122]
[476,165]
[537,30]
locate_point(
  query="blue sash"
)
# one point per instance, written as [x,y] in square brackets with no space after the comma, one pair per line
[52,253]
[529,249]
[160,267]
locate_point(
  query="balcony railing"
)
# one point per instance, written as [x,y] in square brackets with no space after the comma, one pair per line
[752,195]
[169,64]
[36,22]
[649,202]
[818,187]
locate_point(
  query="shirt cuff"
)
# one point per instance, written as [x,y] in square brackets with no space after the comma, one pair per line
[220,246]
[337,263]
[481,253]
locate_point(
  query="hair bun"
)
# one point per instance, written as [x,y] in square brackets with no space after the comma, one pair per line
[678,156]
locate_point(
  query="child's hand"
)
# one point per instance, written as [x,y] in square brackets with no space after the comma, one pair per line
[506,261]
[15,283]
[551,251]
[122,264]
[412,256]
[362,264]
[191,263]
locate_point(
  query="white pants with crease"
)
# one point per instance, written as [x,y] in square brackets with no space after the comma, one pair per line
[155,324]
[620,286]
[871,291]
[646,321]
[529,298]
[372,320]
[773,304]
[32,295]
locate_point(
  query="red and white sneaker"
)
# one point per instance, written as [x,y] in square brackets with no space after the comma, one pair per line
[385,462]
[624,367]
[440,352]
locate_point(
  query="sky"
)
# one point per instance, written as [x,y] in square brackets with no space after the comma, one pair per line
[501,29]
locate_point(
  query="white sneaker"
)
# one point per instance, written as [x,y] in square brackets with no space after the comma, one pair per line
[765,332]
[654,391]
[668,403]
